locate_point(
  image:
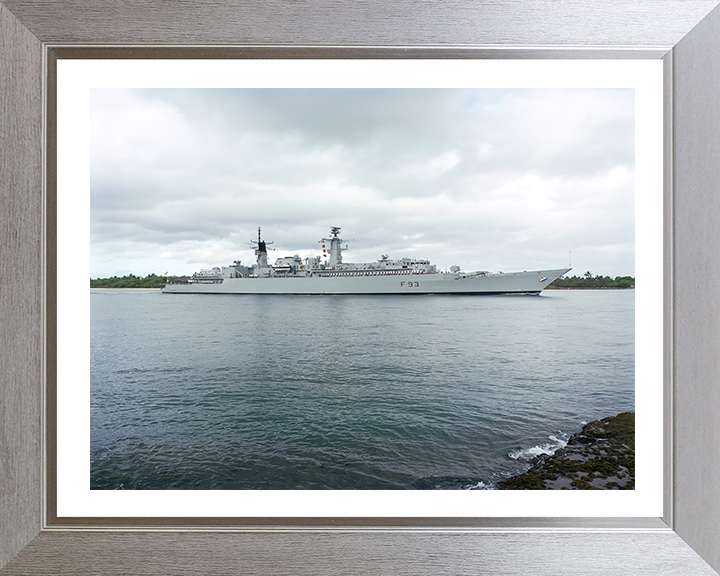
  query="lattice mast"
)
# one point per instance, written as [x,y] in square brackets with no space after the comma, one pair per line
[261,251]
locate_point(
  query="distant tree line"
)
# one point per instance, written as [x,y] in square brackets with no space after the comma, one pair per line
[155,281]
[132,281]
[587,280]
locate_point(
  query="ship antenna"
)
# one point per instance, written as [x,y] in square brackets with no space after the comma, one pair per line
[260,244]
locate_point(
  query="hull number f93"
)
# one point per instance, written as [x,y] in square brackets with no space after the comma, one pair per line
[328,274]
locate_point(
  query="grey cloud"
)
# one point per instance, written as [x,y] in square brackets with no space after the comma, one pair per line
[459,173]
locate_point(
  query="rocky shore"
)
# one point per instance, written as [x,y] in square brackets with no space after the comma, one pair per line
[599,457]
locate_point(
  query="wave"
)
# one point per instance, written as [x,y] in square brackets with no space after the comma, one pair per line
[547,448]
[450,483]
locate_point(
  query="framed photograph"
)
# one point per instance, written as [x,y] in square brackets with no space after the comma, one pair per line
[56,514]
[433,158]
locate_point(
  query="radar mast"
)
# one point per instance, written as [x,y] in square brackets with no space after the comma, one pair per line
[336,249]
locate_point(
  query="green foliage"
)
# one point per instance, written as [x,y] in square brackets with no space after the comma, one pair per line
[132,281]
[155,281]
[590,281]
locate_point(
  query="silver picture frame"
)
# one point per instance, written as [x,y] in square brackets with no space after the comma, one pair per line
[685,34]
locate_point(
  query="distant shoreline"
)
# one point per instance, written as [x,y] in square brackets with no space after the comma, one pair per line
[125,288]
[586,282]
[160,287]
[551,287]
[589,282]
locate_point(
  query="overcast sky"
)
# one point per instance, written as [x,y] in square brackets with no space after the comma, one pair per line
[485,179]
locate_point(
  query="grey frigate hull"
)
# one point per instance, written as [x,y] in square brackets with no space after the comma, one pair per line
[528,282]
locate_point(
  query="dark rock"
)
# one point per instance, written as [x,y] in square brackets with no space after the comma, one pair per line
[599,457]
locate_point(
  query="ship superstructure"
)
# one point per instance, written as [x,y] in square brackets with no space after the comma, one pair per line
[328,274]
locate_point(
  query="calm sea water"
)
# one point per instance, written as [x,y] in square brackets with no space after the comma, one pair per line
[347,392]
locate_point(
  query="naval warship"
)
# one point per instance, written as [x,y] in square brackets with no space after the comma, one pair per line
[328,274]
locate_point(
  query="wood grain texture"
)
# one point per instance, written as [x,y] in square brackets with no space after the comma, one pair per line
[697,291]
[20,275]
[396,554]
[370,22]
